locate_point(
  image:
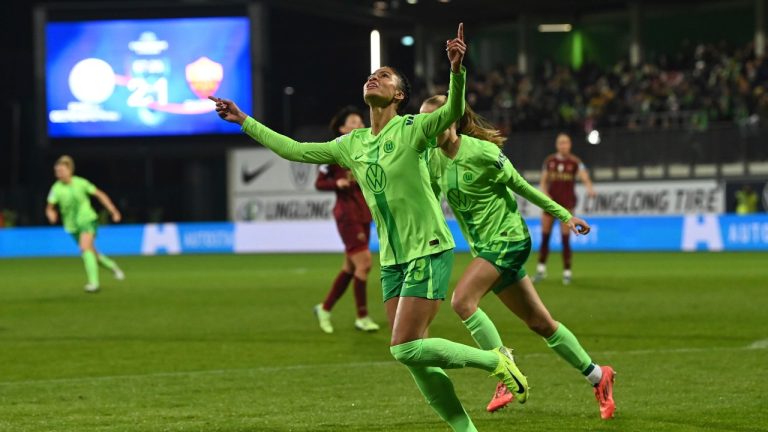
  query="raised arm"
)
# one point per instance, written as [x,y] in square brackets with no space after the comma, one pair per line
[283,146]
[433,124]
[107,203]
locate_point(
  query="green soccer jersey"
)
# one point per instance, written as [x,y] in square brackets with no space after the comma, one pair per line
[392,172]
[478,184]
[74,201]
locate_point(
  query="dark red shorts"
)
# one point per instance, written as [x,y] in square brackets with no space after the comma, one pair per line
[567,201]
[355,236]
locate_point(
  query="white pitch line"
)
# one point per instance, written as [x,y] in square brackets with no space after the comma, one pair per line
[761,344]
[757,345]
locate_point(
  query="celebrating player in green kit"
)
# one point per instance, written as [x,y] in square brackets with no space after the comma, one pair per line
[478,181]
[416,253]
[72,194]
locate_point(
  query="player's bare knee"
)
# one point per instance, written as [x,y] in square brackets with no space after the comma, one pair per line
[463,305]
[541,325]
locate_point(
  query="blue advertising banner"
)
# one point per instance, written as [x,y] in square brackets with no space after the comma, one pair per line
[624,233]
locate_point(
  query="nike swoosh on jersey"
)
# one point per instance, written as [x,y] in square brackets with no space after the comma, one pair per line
[249,176]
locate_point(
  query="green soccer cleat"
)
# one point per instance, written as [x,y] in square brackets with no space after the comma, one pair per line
[366,324]
[508,373]
[118,273]
[324,319]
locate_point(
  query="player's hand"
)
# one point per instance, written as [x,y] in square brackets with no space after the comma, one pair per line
[343,183]
[53,218]
[456,49]
[227,110]
[116,216]
[578,225]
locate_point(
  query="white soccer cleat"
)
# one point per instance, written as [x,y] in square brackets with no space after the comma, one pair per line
[366,324]
[567,276]
[324,319]
[91,288]
[541,273]
[119,275]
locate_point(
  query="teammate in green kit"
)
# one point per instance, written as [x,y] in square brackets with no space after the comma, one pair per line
[478,182]
[72,195]
[416,252]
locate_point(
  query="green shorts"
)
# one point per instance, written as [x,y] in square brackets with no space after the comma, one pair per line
[426,277]
[87,227]
[509,258]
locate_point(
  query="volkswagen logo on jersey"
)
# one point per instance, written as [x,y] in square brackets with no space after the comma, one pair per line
[376,178]
[458,199]
[468,177]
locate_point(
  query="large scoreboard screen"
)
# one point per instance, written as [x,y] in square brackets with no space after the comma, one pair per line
[145,77]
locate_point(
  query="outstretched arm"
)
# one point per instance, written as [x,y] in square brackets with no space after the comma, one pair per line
[434,123]
[107,203]
[536,197]
[283,146]
[508,175]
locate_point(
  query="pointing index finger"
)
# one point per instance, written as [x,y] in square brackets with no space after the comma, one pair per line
[460,33]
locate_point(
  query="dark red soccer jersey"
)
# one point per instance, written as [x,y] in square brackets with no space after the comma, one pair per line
[350,205]
[561,175]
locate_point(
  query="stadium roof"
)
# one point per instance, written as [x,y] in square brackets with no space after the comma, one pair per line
[479,10]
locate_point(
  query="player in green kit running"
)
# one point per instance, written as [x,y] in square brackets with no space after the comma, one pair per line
[72,194]
[478,182]
[416,252]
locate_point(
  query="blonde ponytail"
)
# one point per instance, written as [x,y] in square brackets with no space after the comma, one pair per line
[472,123]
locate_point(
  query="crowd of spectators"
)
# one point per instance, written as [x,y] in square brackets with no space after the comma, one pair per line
[701,84]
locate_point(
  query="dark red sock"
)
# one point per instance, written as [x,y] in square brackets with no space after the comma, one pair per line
[544,249]
[361,298]
[337,290]
[566,251]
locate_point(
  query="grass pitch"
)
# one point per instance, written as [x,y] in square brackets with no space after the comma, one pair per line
[229,343]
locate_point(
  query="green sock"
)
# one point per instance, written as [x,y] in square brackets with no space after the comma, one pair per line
[565,344]
[483,331]
[105,262]
[437,388]
[91,267]
[444,354]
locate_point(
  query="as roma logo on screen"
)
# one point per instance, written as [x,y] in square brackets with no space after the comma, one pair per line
[204,76]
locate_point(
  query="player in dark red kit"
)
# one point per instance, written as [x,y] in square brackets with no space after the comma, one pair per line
[353,220]
[558,180]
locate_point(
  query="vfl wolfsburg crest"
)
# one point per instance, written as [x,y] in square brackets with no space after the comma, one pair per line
[468,177]
[458,200]
[301,174]
[389,146]
[376,178]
